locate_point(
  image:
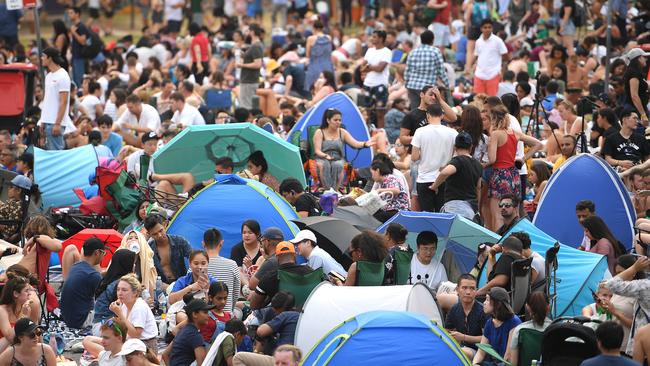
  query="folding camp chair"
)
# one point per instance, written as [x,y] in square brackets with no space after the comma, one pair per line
[299,285]
[370,273]
[530,345]
[402,267]
[49,302]
[166,200]
[487,348]
[520,276]
[216,99]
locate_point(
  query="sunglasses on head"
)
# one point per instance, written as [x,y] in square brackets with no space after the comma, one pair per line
[505,205]
[113,325]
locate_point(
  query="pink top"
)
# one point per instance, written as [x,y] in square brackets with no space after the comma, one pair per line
[604,247]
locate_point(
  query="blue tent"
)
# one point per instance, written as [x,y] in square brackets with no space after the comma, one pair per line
[226,204]
[578,272]
[370,339]
[456,234]
[585,177]
[352,120]
[58,172]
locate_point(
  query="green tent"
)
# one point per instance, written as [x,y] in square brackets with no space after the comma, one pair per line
[196,148]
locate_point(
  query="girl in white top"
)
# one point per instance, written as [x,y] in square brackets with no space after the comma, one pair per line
[134,312]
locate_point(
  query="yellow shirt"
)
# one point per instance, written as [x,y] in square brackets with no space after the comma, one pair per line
[558,163]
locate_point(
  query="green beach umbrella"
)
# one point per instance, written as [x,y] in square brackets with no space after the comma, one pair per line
[196,148]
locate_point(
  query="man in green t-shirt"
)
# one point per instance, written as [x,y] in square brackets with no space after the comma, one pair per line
[250,66]
[229,345]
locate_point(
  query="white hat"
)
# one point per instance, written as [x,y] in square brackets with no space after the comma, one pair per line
[634,53]
[304,235]
[526,102]
[132,345]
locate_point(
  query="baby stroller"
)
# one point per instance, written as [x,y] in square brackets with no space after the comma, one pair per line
[568,342]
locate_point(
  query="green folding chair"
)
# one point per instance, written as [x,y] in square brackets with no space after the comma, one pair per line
[492,352]
[530,346]
[300,285]
[402,263]
[370,273]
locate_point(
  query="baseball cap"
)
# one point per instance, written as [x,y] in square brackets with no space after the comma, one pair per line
[634,53]
[285,247]
[198,305]
[132,345]
[93,243]
[526,102]
[463,140]
[273,233]
[54,54]
[25,326]
[499,294]
[22,182]
[149,136]
[304,235]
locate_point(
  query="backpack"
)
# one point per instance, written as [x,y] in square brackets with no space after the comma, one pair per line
[93,47]
[579,14]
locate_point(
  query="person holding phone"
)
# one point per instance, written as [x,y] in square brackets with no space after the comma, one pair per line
[196,281]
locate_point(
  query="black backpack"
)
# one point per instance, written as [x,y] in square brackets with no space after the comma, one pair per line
[93,47]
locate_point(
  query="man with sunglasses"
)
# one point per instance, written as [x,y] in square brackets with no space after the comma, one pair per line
[78,293]
[509,206]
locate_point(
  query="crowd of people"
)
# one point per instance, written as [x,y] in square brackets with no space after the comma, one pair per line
[470,107]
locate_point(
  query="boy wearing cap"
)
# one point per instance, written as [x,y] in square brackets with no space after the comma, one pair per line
[463,177]
[269,284]
[316,256]
[55,118]
[78,293]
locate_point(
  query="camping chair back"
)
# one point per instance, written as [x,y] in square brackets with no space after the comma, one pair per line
[402,266]
[370,273]
[124,200]
[42,271]
[145,160]
[299,285]
[530,345]
[520,277]
[106,176]
[216,99]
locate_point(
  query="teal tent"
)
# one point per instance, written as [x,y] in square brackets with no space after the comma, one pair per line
[578,272]
[196,148]
[373,338]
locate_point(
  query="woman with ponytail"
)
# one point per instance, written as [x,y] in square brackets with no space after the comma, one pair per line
[537,307]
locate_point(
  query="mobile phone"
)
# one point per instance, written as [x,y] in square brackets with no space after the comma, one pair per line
[643,193]
[337,275]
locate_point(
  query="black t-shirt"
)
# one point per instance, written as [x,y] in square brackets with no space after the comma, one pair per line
[618,147]
[566,3]
[414,119]
[643,87]
[462,185]
[307,202]
[297,72]
[238,253]
[269,285]
[252,76]
[503,266]
[82,30]
[185,342]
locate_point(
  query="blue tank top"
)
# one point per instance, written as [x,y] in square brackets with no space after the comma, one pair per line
[480,11]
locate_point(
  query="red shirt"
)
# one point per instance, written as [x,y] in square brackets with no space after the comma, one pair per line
[208,330]
[202,41]
[442,16]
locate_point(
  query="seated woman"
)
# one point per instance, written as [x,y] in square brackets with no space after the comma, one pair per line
[113,336]
[537,306]
[136,242]
[329,148]
[197,281]
[38,232]
[12,209]
[140,215]
[130,309]
[258,166]
[538,176]
[602,240]
[15,303]
[122,263]
[138,353]
[391,189]
[367,246]
[500,322]
[16,270]
[27,348]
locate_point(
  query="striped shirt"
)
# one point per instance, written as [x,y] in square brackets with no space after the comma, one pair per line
[226,270]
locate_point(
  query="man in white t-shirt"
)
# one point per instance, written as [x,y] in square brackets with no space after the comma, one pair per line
[433,147]
[137,119]
[174,16]
[375,64]
[55,119]
[488,52]
[91,103]
[424,268]
[184,114]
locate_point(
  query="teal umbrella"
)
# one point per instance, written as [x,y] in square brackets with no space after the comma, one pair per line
[196,148]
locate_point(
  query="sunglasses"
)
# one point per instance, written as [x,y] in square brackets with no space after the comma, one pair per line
[113,325]
[505,205]
[34,334]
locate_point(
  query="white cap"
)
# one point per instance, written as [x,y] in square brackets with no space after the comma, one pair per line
[132,345]
[634,53]
[526,102]
[304,235]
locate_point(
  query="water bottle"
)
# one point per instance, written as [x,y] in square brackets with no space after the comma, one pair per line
[237,60]
[533,363]
[158,285]
[145,294]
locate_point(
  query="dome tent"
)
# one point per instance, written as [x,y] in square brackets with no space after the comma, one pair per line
[369,339]
[343,302]
[352,120]
[585,177]
[226,204]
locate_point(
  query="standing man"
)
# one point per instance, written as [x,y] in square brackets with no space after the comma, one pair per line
[375,64]
[78,293]
[250,67]
[174,16]
[488,54]
[424,66]
[9,20]
[433,147]
[170,252]
[79,34]
[55,119]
